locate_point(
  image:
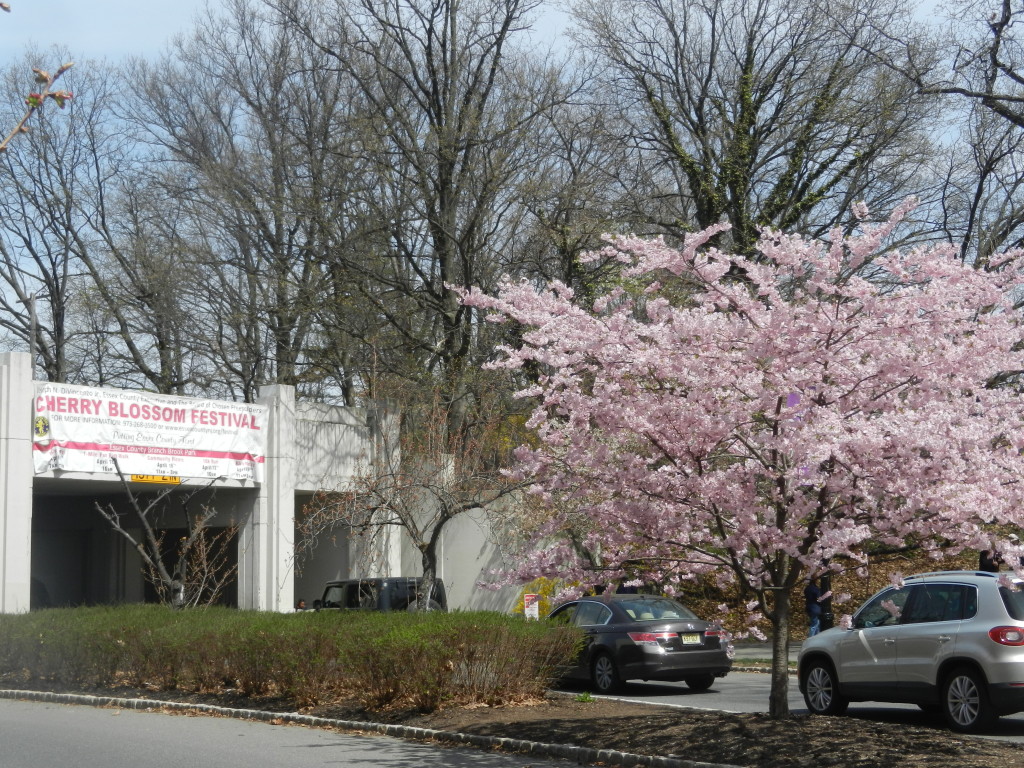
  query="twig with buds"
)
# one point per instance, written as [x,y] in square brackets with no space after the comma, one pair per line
[35,101]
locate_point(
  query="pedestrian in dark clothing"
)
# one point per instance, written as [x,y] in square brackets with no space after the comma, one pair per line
[989,561]
[812,594]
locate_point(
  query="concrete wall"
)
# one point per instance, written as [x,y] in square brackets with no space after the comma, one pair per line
[331,443]
[468,556]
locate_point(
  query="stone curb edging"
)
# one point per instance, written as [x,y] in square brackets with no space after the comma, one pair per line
[760,669]
[581,755]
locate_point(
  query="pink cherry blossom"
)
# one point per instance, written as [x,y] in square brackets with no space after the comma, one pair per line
[754,429]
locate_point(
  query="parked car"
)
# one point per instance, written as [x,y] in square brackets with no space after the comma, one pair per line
[642,637]
[950,642]
[390,594]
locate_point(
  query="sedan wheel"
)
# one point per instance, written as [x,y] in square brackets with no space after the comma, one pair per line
[965,702]
[821,690]
[700,682]
[604,675]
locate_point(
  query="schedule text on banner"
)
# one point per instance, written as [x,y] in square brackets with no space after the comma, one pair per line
[85,429]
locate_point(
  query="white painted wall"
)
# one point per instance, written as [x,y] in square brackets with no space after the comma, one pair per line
[468,555]
[15,481]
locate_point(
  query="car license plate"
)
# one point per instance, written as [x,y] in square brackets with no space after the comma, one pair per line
[691,638]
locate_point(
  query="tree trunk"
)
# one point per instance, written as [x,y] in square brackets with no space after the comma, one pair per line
[778,698]
[426,591]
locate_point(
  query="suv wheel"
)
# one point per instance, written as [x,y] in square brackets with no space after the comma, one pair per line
[821,690]
[965,701]
[604,675]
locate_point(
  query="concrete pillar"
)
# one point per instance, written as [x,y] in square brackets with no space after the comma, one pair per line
[385,434]
[266,545]
[16,391]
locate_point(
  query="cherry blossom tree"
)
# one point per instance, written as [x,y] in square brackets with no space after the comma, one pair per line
[760,420]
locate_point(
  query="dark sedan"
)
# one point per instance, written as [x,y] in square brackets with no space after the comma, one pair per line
[642,637]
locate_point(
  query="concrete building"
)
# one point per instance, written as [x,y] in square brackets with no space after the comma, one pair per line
[255,465]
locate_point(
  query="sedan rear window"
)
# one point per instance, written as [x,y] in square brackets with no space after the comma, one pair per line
[655,610]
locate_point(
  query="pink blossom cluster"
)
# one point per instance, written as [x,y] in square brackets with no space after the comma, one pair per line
[755,418]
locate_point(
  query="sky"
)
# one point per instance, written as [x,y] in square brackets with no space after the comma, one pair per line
[110,29]
[105,29]
[114,29]
[100,29]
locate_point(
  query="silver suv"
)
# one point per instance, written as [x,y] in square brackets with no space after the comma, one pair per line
[951,641]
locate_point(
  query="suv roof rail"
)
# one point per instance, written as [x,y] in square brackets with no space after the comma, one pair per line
[985,574]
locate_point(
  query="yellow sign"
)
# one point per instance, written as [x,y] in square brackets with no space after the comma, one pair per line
[162,479]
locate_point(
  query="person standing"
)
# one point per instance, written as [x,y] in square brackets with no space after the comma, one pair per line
[989,560]
[812,596]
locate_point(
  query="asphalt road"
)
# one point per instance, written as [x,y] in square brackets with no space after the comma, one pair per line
[42,735]
[748,692]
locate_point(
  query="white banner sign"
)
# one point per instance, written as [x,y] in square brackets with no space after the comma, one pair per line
[531,606]
[85,429]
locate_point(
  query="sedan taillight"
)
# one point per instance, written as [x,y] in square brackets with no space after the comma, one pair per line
[650,639]
[1007,635]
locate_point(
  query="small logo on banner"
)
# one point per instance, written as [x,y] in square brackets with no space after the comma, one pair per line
[41,429]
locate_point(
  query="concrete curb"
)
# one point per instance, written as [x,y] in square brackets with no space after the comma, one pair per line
[580,755]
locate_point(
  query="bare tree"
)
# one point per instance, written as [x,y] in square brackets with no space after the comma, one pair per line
[242,118]
[984,61]
[982,195]
[451,110]
[78,244]
[757,113]
[42,174]
[583,190]
[143,283]
[424,476]
[190,572]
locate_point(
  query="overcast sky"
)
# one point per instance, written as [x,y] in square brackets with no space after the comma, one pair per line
[95,28]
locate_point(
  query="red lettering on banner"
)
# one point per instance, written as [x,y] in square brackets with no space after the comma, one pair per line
[76,405]
[225,419]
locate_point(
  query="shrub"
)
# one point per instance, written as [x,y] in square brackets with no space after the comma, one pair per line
[382,660]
